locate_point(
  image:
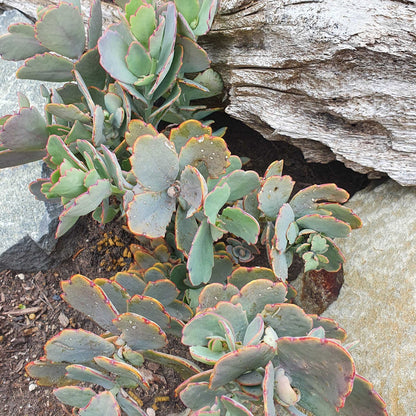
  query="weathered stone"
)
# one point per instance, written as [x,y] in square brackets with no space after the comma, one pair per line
[335,78]
[27,226]
[377,304]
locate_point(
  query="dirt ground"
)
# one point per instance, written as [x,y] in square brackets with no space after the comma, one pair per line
[31,310]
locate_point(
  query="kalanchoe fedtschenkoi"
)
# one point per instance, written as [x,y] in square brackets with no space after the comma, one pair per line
[304,223]
[269,354]
[89,106]
[188,173]
[137,313]
[156,50]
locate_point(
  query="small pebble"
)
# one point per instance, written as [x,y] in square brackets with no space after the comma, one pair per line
[21,276]
[56,297]
[32,386]
[150,412]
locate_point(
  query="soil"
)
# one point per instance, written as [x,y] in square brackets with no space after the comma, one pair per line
[31,310]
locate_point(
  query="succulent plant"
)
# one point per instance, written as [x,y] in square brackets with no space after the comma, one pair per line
[136,314]
[90,106]
[176,174]
[156,47]
[84,181]
[305,223]
[269,353]
[240,251]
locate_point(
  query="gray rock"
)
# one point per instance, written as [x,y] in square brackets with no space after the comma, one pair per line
[334,78]
[377,304]
[27,226]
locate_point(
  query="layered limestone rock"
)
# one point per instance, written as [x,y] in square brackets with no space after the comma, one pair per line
[335,78]
[377,303]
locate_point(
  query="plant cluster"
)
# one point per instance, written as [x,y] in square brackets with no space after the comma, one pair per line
[107,139]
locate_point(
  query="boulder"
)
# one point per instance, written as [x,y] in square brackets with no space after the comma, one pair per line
[335,78]
[377,303]
[27,226]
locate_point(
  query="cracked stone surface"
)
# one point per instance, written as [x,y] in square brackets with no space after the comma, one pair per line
[334,78]
[377,303]
[26,231]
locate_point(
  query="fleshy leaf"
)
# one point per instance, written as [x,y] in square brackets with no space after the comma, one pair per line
[154,162]
[254,332]
[287,320]
[113,50]
[342,213]
[150,213]
[74,396]
[327,379]
[212,151]
[201,328]
[128,405]
[48,373]
[139,128]
[193,189]
[268,390]
[25,131]
[20,43]
[10,158]
[140,333]
[76,346]
[103,404]
[127,375]
[115,292]
[185,131]
[138,60]
[89,375]
[236,363]
[93,74]
[284,218]
[67,112]
[214,201]
[239,223]
[306,199]
[332,329]
[197,395]
[241,183]
[61,30]
[189,9]
[255,295]
[201,256]
[47,67]
[143,23]
[95,24]
[363,400]
[214,293]
[274,193]
[195,58]
[243,275]
[85,296]
[185,230]
[324,224]
[149,308]
[183,367]
[206,16]
[275,169]
[164,291]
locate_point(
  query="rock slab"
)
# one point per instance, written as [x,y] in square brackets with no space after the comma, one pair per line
[377,303]
[27,226]
[334,78]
